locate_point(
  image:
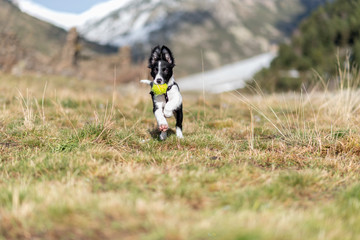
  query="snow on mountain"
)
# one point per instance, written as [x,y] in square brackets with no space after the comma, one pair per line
[68,20]
[63,20]
[127,18]
[127,24]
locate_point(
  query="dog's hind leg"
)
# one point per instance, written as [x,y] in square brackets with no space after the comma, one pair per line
[179,119]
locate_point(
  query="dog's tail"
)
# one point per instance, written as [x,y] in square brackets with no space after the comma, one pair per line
[148,82]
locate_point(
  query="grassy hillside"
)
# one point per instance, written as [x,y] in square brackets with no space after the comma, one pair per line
[38,36]
[74,166]
[329,33]
[34,34]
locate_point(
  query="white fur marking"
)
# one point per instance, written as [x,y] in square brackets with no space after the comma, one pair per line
[148,82]
[158,75]
[179,133]
[171,81]
[174,102]
[159,101]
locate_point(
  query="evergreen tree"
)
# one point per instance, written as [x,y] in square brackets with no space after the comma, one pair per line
[331,32]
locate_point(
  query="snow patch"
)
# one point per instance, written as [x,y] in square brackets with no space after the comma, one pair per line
[227,78]
[125,26]
[68,20]
[115,22]
[60,19]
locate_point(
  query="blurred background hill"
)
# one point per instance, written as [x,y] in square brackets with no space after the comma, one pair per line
[201,33]
[330,35]
[226,31]
[29,44]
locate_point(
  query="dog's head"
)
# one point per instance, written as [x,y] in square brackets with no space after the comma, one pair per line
[161,63]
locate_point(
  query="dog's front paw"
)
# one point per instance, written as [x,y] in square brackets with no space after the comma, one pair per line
[179,133]
[167,113]
[163,136]
[163,127]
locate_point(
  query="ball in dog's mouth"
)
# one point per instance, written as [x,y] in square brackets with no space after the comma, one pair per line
[159,89]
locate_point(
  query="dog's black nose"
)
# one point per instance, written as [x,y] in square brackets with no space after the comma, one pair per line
[158,81]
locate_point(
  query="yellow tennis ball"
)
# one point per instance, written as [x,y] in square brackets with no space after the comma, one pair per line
[159,89]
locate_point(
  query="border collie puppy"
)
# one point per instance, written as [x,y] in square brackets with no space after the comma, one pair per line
[161,63]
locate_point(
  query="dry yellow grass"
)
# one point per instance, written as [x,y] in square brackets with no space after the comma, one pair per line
[81,161]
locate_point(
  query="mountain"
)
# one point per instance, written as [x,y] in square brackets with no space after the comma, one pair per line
[34,44]
[210,32]
[31,32]
[207,33]
[329,36]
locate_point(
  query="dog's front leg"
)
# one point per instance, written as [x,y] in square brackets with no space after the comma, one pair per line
[162,123]
[161,120]
[174,102]
[159,102]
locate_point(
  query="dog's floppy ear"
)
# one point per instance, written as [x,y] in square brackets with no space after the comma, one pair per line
[155,56]
[167,55]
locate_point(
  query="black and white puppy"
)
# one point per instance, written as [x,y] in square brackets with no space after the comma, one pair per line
[161,63]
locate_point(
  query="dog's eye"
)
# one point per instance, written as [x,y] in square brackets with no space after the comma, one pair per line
[164,69]
[156,69]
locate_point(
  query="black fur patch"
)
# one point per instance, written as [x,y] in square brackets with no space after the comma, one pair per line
[178,113]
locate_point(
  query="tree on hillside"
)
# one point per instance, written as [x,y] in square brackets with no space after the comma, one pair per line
[331,32]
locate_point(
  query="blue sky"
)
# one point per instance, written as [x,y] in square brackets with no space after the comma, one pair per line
[73,6]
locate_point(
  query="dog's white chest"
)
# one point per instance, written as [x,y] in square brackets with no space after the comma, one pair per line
[160,101]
